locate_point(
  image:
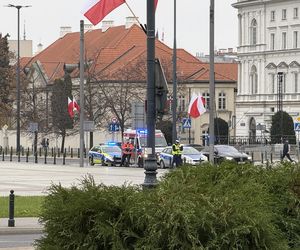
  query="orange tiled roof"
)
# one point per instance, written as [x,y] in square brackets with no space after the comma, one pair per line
[117,47]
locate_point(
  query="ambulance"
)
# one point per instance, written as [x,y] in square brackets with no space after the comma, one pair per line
[139,139]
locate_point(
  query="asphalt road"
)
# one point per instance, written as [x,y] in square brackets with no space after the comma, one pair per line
[20,241]
[34,179]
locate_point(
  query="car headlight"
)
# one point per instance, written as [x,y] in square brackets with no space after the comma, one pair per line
[229,158]
[188,160]
[249,158]
[145,155]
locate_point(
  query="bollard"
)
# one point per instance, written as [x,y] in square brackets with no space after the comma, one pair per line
[262,157]
[54,158]
[252,156]
[11,220]
[19,154]
[36,157]
[22,151]
[52,152]
[271,157]
[10,157]
[2,155]
[71,152]
[40,152]
[78,153]
[45,157]
[27,154]
[64,158]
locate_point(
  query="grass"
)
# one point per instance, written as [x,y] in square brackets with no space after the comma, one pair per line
[25,206]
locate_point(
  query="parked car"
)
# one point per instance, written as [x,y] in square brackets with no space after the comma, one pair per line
[108,154]
[226,152]
[189,155]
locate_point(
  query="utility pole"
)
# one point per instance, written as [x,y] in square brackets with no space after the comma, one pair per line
[81,71]
[174,101]
[150,162]
[211,81]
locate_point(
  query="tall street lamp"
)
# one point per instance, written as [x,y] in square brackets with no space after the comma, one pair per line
[18,7]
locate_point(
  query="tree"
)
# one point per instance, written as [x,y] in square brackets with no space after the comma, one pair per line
[59,100]
[282,128]
[6,79]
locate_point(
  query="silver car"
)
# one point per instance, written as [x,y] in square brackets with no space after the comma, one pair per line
[189,155]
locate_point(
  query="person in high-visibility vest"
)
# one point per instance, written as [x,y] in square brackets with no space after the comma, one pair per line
[177,149]
[127,149]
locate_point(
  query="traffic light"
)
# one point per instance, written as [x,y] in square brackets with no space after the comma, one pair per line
[161,89]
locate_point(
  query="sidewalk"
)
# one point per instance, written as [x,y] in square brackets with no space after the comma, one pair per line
[24,225]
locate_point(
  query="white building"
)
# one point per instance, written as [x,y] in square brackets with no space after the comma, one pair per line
[269,43]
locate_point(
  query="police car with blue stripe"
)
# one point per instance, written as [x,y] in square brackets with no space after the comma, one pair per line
[108,154]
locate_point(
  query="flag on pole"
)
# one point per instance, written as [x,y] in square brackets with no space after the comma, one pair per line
[96,10]
[196,106]
[155,4]
[72,106]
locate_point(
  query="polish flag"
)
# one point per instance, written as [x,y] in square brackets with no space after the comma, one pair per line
[96,10]
[196,106]
[72,106]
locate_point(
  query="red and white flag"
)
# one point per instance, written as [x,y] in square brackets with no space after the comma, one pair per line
[96,10]
[196,106]
[72,106]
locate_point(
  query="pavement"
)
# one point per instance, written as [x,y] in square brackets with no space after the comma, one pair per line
[24,225]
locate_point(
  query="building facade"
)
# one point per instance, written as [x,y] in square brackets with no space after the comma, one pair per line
[269,63]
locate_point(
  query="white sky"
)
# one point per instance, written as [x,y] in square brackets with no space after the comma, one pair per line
[44,19]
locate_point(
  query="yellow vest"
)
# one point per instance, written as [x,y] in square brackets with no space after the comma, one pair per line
[176,149]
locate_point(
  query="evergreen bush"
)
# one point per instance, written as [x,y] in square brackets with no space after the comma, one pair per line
[207,207]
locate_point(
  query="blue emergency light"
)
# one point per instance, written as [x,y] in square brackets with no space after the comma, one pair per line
[111,144]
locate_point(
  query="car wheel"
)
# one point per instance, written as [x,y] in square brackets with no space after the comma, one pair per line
[162,164]
[92,161]
[140,163]
[103,162]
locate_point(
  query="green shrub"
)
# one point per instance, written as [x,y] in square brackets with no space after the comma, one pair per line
[226,207]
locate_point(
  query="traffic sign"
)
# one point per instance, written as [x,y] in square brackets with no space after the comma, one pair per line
[114,127]
[33,127]
[88,125]
[297,126]
[114,120]
[186,123]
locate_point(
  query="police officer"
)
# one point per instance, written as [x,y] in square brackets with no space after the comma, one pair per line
[177,152]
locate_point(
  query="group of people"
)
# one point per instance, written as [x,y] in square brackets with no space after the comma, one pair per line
[128,148]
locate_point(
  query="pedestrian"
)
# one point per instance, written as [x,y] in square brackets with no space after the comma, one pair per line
[177,149]
[286,151]
[127,149]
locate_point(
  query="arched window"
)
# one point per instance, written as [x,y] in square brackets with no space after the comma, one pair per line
[253,80]
[253,32]
[222,101]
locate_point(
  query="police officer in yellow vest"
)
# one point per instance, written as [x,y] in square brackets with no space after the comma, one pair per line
[177,152]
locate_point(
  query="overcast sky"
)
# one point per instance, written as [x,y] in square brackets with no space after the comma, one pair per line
[44,19]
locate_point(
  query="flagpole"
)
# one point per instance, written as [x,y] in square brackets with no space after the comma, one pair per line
[136,18]
[81,68]
[211,82]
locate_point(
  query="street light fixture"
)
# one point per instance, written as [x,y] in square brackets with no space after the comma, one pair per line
[18,7]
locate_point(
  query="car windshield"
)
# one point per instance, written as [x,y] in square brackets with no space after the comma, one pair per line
[110,149]
[190,151]
[227,149]
[159,141]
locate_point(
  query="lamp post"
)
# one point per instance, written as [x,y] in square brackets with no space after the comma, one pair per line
[174,103]
[18,7]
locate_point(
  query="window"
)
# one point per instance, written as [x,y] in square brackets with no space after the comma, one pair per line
[253,80]
[283,42]
[222,101]
[284,14]
[272,41]
[273,15]
[253,32]
[296,13]
[273,82]
[295,44]
[181,106]
[296,82]
[206,98]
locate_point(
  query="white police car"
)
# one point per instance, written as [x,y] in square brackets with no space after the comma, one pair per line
[189,155]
